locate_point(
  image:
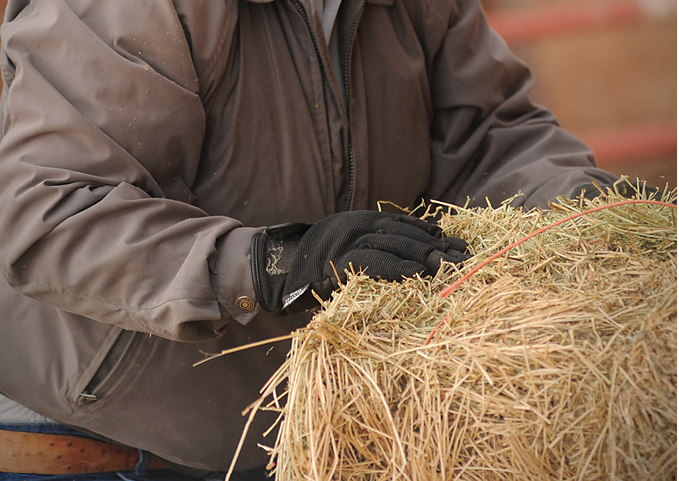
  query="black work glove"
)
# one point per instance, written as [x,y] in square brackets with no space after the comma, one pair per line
[290,260]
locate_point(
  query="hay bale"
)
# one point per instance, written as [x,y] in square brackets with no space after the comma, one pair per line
[556,361]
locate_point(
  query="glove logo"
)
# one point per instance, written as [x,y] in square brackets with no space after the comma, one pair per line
[293,296]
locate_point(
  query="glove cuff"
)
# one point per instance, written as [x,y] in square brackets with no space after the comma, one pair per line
[258,266]
[271,253]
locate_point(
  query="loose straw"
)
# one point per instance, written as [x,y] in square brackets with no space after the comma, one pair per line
[448,290]
[242,347]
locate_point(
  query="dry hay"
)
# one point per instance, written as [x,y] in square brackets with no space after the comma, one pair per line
[556,361]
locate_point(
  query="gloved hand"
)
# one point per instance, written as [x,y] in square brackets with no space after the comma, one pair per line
[290,260]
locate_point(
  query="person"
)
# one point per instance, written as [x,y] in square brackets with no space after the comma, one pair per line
[153,151]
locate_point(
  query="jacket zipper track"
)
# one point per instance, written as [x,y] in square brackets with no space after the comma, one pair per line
[302,12]
[347,88]
[347,101]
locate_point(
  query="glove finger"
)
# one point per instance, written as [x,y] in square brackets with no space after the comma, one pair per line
[380,264]
[402,247]
[431,229]
[402,225]
[436,257]
[398,225]
[410,249]
[410,231]
[456,244]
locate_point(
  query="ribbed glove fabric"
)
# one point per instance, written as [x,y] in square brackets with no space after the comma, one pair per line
[289,261]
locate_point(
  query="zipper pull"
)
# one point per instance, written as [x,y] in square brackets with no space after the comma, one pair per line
[86,398]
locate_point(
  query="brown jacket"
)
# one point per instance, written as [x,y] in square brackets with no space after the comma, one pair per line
[144,142]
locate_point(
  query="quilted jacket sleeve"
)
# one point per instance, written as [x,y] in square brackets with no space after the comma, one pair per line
[101,138]
[489,140]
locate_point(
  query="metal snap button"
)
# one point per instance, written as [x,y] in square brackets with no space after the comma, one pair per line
[245,304]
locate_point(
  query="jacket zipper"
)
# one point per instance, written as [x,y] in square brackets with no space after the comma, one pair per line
[319,59]
[346,77]
[347,102]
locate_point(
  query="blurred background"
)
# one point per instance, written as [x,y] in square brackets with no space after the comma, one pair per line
[607,69]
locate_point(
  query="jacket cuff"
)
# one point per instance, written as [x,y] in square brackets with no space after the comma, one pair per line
[232,275]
